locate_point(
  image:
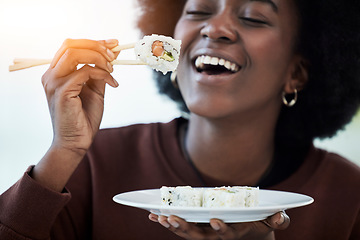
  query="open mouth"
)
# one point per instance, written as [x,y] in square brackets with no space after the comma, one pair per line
[215,66]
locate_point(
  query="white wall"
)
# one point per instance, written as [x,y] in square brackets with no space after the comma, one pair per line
[36,29]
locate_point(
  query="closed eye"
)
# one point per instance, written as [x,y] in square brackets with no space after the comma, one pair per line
[197,13]
[253,21]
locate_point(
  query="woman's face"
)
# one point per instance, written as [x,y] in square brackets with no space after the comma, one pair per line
[236,55]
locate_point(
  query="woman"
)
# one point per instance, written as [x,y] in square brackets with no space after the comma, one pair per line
[317,28]
[293,76]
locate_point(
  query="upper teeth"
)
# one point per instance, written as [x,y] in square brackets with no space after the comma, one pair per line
[202,60]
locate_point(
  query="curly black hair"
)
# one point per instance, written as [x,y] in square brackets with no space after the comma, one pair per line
[329,39]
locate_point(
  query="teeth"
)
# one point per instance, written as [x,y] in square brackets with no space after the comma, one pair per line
[202,60]
[198,62]
[233,67]
[222,62]
[214,61]
[207,60]
[228,65]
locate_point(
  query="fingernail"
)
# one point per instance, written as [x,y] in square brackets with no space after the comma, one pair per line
[151,217]
[116,83]
[215,226]
[116,49]
[110,67]
[111,41]
[110,54]
[281,219]
[165,224]
[174,223]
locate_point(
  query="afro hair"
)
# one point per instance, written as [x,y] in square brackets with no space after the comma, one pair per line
[329,39]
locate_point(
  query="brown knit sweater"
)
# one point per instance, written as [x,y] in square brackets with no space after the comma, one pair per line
[146,156]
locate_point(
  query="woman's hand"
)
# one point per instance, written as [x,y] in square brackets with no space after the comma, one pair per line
[217,229]
[76,96]
[76,101]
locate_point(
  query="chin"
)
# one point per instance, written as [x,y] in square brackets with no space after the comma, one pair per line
[208,109]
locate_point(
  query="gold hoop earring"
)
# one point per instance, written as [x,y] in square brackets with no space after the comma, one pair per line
[174,80]
[292,102]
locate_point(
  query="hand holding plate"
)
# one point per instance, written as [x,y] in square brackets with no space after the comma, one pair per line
[217,229]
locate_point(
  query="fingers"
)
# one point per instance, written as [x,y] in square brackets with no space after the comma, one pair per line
[153,217]
[74,82]
[87,73]
[225,231]
[64,76]
[191,230]
[73,57]
[83,51]
[102,46]
[217,229]
[184,229]
[278,221]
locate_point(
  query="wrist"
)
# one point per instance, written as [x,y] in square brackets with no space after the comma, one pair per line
[56,167]
[71,149]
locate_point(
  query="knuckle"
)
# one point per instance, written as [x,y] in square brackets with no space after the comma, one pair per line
[79,76]
[67,42]
[44,78]
[102,63]
[99,46]
[86,70]
[70,57]
[46,81]
[48,86]
[102,42]
[69,52]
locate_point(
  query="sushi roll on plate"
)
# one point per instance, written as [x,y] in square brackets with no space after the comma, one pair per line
[184,196]
[209,197]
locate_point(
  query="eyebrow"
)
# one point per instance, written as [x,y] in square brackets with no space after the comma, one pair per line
[273,5]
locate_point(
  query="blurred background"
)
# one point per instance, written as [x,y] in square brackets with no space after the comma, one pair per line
[36,29]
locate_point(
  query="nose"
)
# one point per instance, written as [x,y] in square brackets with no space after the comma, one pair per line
[221,27]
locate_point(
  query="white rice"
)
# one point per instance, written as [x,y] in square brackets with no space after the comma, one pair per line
[252,196]
[143,51]
[237,196]
[181,196]
[224,197]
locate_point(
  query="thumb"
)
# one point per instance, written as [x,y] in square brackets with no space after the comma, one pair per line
[278,221]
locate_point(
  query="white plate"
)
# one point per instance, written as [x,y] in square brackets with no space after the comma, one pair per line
[270,202]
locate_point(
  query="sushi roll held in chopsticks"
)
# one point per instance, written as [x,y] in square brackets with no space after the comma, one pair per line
[159,52]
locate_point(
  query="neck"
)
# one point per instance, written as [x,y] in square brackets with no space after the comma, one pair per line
[233,152]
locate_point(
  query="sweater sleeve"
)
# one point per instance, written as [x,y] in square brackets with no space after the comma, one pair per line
[28,210]
[356,229]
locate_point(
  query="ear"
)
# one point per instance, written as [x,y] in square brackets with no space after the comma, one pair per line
[298,75]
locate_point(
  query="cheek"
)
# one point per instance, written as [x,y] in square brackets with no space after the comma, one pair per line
[187,32]
[180,34]
[180,30]
[270,46]
[272,53]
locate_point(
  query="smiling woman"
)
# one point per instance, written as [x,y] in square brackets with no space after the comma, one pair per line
[326,42]
[258,81]
[311,22]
